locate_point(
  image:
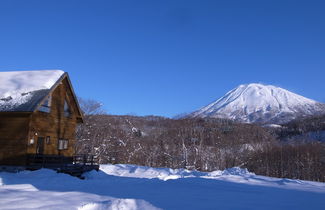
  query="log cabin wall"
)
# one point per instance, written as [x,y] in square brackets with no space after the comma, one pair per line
[55,125]
[13,138]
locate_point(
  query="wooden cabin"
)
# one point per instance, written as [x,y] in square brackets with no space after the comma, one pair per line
[39,113]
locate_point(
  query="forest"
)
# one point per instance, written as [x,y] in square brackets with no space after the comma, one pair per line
[204,144]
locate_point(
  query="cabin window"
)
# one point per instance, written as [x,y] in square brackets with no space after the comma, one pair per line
[46,105]
[67,110]
[63,144]
[48,140]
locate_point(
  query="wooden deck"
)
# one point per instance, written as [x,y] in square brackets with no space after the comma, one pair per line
[75,165]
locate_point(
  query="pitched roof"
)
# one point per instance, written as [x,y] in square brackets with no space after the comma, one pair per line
[21,91]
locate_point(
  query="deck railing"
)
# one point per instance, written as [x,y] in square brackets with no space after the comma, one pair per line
[55,161]
[85,159]
[75,165]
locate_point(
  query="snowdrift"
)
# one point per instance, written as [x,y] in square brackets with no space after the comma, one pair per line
[137,187]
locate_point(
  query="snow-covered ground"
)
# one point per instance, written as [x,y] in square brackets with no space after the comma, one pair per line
[136,187]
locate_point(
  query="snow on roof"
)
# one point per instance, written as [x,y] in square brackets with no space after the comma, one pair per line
[22,90]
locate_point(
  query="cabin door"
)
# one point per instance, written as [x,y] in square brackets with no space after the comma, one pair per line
[40,145]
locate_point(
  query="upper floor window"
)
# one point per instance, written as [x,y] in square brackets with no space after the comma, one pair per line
[46,105]
[67,110]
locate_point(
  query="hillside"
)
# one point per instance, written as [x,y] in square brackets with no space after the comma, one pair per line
[302,129]
[200,144]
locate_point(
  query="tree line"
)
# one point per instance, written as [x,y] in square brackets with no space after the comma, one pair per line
[197,144]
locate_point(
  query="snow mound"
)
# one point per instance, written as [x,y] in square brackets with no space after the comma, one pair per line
[119,204]
[236,171]
[235,174]
[260,103]
[47,189]
[144,172]
[163,173]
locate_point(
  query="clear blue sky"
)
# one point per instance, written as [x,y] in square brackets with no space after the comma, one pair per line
[167,57]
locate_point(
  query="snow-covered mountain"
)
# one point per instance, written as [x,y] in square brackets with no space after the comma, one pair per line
[258,103]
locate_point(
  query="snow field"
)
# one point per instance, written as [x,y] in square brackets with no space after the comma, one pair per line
[138,187]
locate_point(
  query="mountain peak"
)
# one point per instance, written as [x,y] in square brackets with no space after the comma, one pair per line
[262,103]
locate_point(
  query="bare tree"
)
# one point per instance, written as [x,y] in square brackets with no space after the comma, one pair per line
[91,106]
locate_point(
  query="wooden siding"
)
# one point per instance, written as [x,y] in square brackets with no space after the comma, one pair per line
[55,124]
[13,138]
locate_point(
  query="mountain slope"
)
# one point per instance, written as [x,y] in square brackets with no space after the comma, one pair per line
[258,103]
